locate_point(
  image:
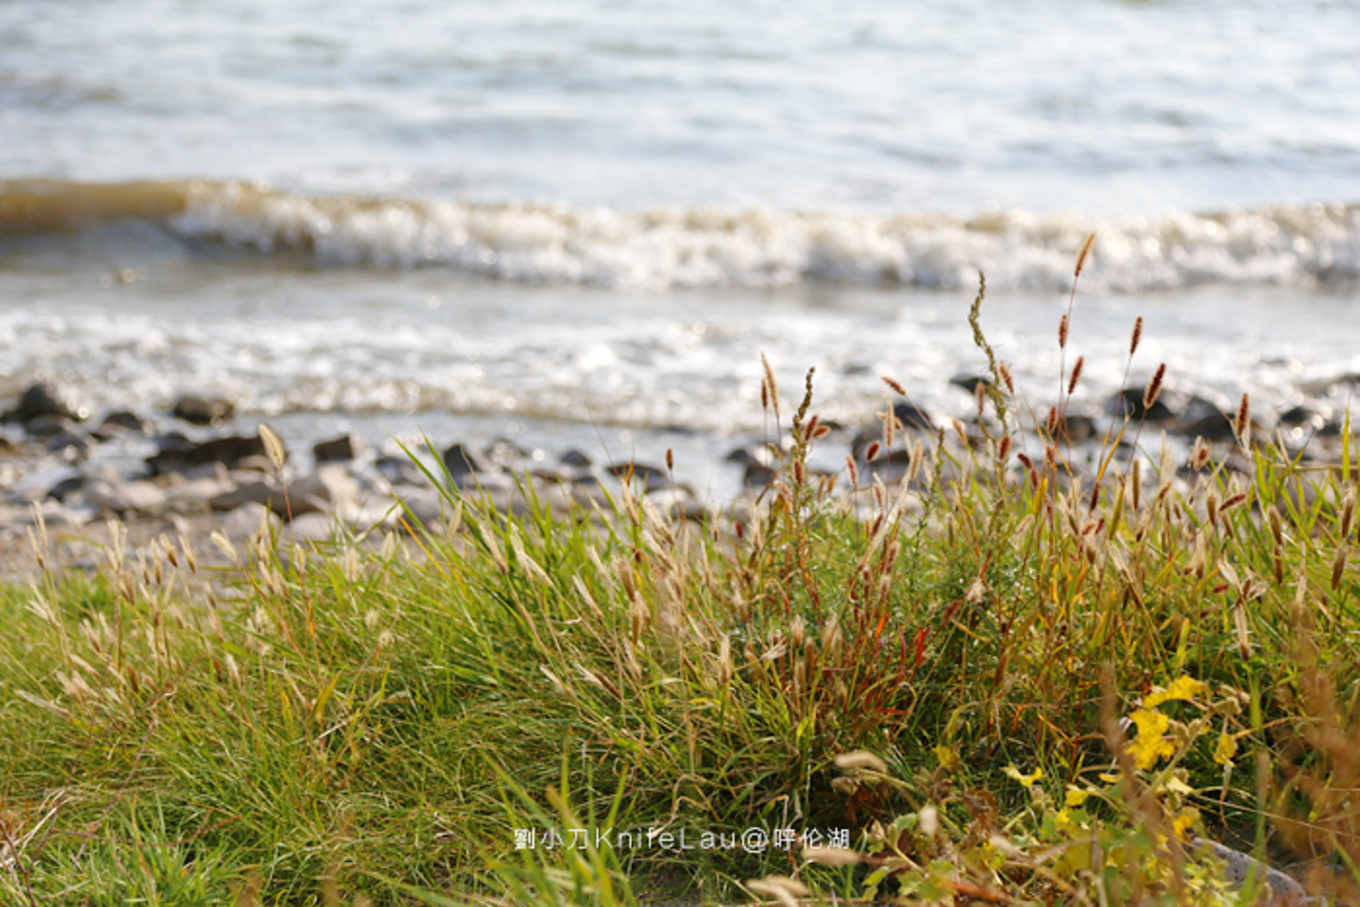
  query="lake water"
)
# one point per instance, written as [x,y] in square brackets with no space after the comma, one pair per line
[581,223]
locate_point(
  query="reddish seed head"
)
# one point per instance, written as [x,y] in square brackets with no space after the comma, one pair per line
[871,452]
[1076,375]
[1137,335]
[1154,387]
[1062,332]
[1243,417]
[894,384]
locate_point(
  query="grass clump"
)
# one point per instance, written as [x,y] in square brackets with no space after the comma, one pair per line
[997,678]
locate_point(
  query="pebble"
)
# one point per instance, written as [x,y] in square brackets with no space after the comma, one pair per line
[197,410]
[227,479]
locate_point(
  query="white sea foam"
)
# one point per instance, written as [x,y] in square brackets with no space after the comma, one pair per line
[712,246]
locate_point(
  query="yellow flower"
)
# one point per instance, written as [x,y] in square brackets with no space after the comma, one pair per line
[1150,745]
[1025,780]
[1182,687]
[1184,822]
[1076,797]
[1225,750]
[949,759]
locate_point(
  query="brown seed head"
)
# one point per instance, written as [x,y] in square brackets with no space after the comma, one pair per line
[1006,377]
[769,380]
[1003,450]
[1137,335]
[1062,331]
[1154,387]
[670,460]
[894,384]
[871,452]
[1243,420]
[1076,375]
[1085,250]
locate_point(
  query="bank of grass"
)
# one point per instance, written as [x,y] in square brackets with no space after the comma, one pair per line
[939,670]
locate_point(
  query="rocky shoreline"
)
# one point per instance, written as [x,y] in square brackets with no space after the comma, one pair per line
[195,468]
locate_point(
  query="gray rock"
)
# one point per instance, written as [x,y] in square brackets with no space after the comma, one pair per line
[651,477]
[504,454]
[245,520]
[426,507]
[575,458]
[459,460]
[50,426]
[68,486]
[47,398]
[69,446]
[194,496]
[197,410]
[1283,891]
[1130,401]
[970,382]
[130,497]
[229,450]
[259,492]
[346,447]
[399,471]
[329,488]
[124,421]
[912,416]
[312,527]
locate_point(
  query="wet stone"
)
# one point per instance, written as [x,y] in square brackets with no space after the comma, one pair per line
[197,410]
[346,447]
[399,471]
[48,399]
[66,487]
[912,416]
[575,458]
[970,382]
[49,426]
[229,450]
[504,453]
[126,420]
[459,460]
[1130,401]
[69,446]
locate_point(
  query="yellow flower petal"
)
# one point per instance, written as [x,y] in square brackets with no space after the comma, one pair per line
[1076,797]
[1182,687]
[1025,780]
[949,759]
[1225,750]
[1185,821]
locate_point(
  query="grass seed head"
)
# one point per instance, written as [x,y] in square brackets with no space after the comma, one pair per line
[1137,335]
[1085,251]
[1242,422]
[1062,331]
[273,446]
[1076,375]
[861,759]
[1154,387]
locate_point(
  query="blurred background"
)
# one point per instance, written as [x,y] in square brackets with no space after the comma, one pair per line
[579,224]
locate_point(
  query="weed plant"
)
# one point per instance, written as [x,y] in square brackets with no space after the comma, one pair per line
[996,678]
